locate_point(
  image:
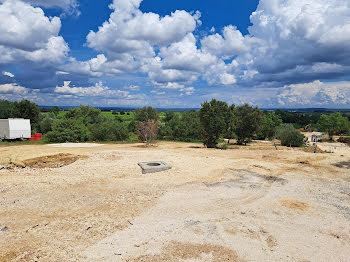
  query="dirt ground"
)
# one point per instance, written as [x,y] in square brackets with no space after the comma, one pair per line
[71,203]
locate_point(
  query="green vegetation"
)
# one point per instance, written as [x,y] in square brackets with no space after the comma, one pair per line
[213,118]
[269,124]
[181,127]
[334,124]
[289,136]
[215,121]
[247,121]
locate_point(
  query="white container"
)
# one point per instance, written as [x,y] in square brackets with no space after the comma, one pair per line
[15,128]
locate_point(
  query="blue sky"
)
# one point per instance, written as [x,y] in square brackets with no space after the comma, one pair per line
[270,53]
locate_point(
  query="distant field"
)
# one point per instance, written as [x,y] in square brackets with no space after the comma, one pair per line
[124,117]
[110,115]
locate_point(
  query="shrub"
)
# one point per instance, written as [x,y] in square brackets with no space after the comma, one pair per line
[67,130]
[289,136]
[147,131]
[109,131]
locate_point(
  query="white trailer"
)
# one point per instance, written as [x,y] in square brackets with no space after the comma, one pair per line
[15,128]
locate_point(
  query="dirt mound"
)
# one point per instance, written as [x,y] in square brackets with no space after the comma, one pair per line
[295,204]
[343,164]
[177,251]
[311,149]
[54,161]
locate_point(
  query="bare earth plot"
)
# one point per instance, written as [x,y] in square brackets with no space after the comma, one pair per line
[245,204]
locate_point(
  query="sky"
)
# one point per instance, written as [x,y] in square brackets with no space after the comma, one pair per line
[178,54]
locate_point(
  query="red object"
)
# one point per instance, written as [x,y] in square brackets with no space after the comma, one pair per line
[36,137]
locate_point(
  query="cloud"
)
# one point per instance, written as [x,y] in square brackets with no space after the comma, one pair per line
[27,34]
[12,88]
[130,39]
[129,30]
[297,34]
[315,93]
[68,6]
[174,86]
[98,90]
[229,44]
[8,74]
[132,88]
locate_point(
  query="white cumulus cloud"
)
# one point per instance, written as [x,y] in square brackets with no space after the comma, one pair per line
[27,34]
[12,88]
[315,93]
[98,90]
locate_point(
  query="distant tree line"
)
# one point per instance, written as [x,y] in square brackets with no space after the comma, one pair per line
[215,121]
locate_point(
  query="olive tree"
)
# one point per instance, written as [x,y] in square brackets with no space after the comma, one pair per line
[213,118]
[247,122]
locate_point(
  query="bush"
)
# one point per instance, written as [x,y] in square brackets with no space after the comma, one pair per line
[181,127]
[67,130]
[289,136]
[109,131]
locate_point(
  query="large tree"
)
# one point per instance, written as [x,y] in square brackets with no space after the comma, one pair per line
[213,117]
[268,126]
[26,109]
[5,109]
[247,121]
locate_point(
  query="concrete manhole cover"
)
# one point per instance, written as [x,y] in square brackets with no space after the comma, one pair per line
[152,167]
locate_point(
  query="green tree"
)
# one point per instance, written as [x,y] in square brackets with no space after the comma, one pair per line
[26,109]
[289,136]
[67,130]
[46,121]
[87,114]
[5,109]
[146,114]
[247,121]
[268,126]
[213,119]
[334,124]
[56,110]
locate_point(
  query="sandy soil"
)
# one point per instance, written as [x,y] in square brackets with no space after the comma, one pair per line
[243,204]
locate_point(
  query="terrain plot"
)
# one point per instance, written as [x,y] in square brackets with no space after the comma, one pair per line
[245,204]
